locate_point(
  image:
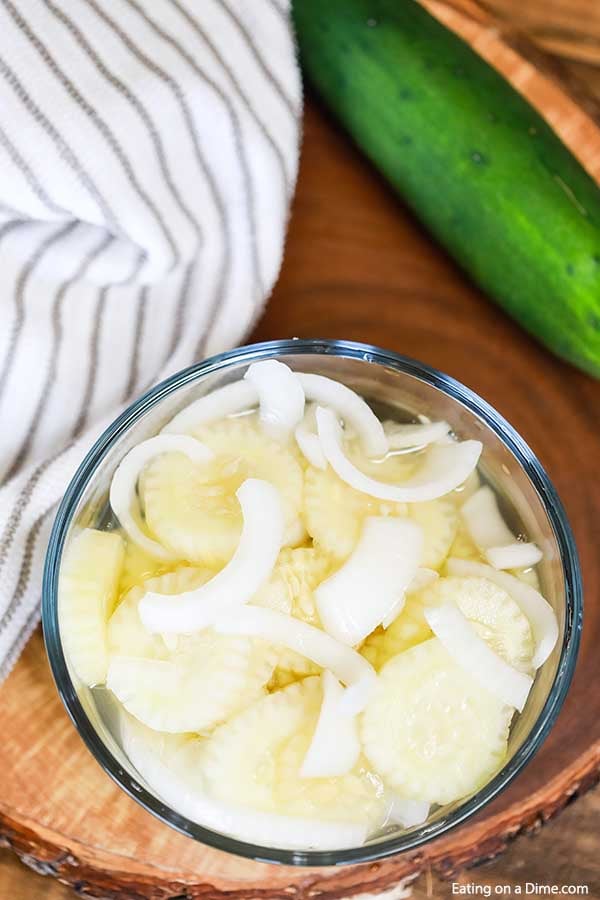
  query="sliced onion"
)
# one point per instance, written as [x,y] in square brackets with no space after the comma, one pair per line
[269,829]
[423,578]
[514,556]
[403,437]
[346,664]
[308,439]
[335,746]
[247,571]
[444,468]
[124,482]
[394,612]
[406,812]
[310,447]
[350,407]
[372,581]
[484,521]
[171,641]
[357,695]
[280,397]
[225,401]
[472,653]
[538,611]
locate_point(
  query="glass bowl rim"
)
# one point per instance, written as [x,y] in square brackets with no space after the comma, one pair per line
[455,391]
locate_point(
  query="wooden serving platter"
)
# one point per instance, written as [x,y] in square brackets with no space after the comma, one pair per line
[357,266]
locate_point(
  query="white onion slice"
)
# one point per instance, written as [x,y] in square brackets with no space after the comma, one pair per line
[171,641]
[514,556]
[280,397]
[123,486]
[538,611]
[350,407]
[269,829]
[490,532]
[308,439]
[444,467]
[403,437]
[423,578]
[472,653]
[372,581]
[310,447]
[406,812]
[357,695]
[346,664]
[224,401]
[484,520]
[247,571]
[242,395]
[335,746]
[394,612]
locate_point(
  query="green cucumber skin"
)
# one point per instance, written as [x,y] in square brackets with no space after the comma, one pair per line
[476,162]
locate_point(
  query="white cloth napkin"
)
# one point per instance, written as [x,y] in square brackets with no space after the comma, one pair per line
[148,153]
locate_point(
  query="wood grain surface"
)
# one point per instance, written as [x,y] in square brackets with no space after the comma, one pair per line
[564,852]
[566,28]
[358,266]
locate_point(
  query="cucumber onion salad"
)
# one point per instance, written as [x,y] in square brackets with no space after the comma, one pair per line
[315,625]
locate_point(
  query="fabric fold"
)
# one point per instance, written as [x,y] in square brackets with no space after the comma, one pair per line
[149,152]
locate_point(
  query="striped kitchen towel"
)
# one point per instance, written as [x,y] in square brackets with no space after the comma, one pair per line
[148,151]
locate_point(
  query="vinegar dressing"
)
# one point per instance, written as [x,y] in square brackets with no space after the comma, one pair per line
[306,625]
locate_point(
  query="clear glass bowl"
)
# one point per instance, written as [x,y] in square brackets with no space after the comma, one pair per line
[393,381]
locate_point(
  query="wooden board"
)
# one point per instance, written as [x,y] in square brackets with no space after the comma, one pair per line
[566,28]
[564,851]
[357,266]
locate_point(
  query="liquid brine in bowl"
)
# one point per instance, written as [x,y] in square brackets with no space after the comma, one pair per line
[307,623]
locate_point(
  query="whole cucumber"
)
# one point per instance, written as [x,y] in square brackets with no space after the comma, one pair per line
[476,162]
